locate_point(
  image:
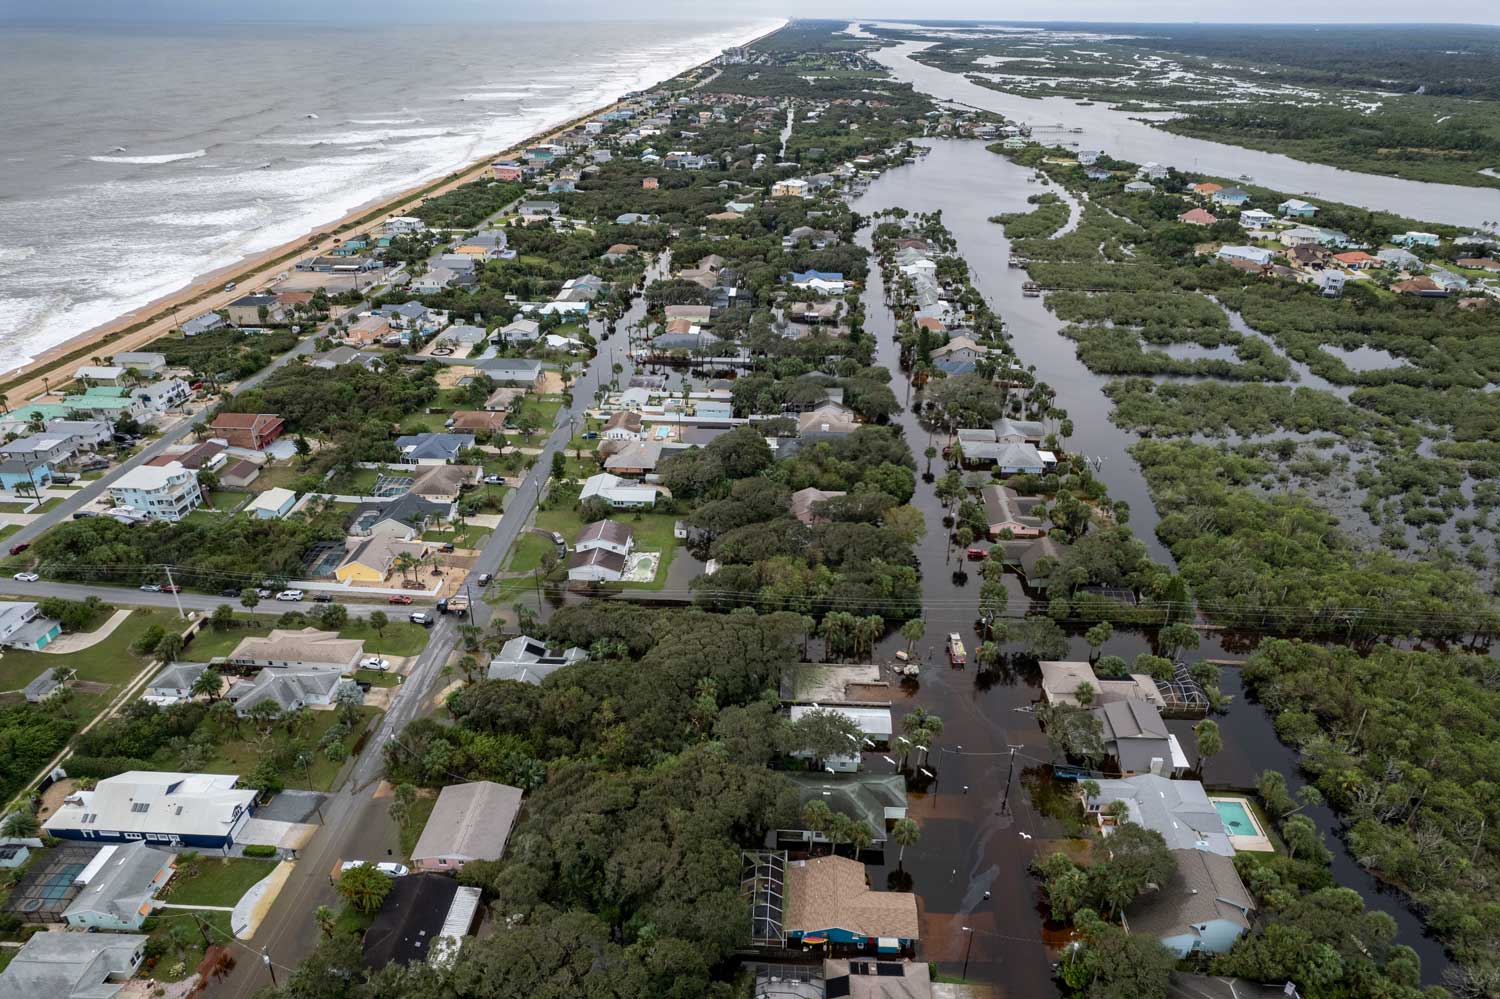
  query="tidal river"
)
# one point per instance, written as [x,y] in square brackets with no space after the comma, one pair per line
[1128,138]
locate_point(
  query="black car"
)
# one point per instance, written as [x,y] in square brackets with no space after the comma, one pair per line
[322,598]
[229,593]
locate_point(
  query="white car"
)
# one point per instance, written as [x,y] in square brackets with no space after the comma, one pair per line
[375,663]
[150,587]
[290,595]
[493,480]
[394,870]
[26,577]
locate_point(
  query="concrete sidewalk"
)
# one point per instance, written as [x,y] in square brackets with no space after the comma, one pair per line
[77,643]
[255,903]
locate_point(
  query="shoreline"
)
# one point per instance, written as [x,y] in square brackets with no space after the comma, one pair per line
[205,292]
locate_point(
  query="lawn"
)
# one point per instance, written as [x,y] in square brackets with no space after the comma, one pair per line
[653,533]
[361,481]
[528,552]
[272,476]
[217,881]
[399,638]
[376,678]
[7,530]
[7,954]
[110,661]
[181,932]
[421,811]
[240,755]
[472,536]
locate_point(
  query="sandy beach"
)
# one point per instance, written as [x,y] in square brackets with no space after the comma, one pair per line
[139,327]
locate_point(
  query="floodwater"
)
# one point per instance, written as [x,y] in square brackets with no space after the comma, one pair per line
[968,184]
[991,806]
[1120,134]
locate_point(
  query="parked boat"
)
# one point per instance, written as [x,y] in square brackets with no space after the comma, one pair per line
[1031,289]
[1015,261]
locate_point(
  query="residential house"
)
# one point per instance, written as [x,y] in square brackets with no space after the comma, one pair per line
[469,822]
[45,685]
[1008,431]
[253,310]
[120,887]
[1022,459]
[1038,561]
[510,371]
[528,660]
[340,356]
[540,209]
[20,472]
[290,689]
[624,425]
[877,800]
[1479,263]
[1231,196]
[873,980]
[367,331]
[828,899]
[1421,287]
[442,484]
[823,282]
[1202,908]
[1254,218]
[597,565]
[174,684]
[508,172]
[610,535]
[1153,171]
[1137,738]
[804,503]
[1357,260]
[1251,254]
[792,187]
[302,648]
[422,921]
[619,251]
[1206,188]
[110,374]
[251,431]
[617,492]
[827,420]
[403,518]
[204,811]
[434,280]
[159,397]
[23,627]
[1197,216]
[1061,682]
[210,454]
[873,720]
[1138,187]
[167,492]
[1295,208]
[1006,510]
[637,459]
[56,964]
[47,448]
[206,323]
[960,348]
[1088,157]
[239,474]
[650,183]
[1180,810]
[372,559]
[1403,260]
[1301,236]
[403,225]
[697,314]
[1416,239]
[432,449]
[518,332]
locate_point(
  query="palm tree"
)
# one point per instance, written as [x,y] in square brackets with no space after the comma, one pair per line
[817,816]
[922,726]
[913,631]
[325,919]
[207,685]
[861,836]
[21,824]
[905,833]
[404,564]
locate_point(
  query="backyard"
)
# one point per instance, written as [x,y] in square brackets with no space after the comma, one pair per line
[653,533]
[215,880]
[398,638]
[242,750]
[110,662]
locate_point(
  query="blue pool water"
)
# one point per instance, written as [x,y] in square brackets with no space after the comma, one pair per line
[1237,821]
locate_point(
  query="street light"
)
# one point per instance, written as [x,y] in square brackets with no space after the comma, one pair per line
[967,951]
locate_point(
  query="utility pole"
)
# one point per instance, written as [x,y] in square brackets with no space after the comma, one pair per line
[265,958]
[1005,801]
[172,588]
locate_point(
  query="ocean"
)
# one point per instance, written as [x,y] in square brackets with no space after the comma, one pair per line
[138,158]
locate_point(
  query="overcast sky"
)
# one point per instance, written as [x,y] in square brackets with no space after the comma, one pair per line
[419,11]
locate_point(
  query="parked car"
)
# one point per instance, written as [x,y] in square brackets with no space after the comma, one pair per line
[375,663]
[418,617]
[484,579]
[447,548]
[63,479]
[18,549]
[977,554]
[399,598]
[171,588]
[590,435]
[385,867]
[84,515]
[264,593]
[493,480]
[558,539]
[94,465]
[229,592]
[26,577]
[322,598]
[150,587]
[291,596]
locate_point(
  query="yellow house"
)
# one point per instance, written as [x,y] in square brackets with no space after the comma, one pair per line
[373,558]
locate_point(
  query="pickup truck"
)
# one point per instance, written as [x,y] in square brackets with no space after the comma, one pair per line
[453,605]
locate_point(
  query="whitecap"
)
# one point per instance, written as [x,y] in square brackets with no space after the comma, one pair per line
[497,95]
[384,121]
[149,160]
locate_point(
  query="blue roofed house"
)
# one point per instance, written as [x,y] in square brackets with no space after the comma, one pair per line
[1296,208]
[18,472]
[826,282]
[1416,239]
[1232,196]
[432,449]
[206,811]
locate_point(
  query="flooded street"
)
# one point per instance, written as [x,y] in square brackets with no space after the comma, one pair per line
[984,815]
[1122,135]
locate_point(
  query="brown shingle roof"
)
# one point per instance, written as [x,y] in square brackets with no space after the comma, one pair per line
[611,531]
[830,893]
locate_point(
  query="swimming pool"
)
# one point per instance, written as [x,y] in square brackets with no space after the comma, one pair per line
[1236,818]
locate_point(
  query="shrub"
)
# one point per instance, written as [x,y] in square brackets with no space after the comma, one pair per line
[260,850]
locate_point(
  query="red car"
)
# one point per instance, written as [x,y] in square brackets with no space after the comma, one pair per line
[977,554]
[18,549]
[171,588]
[399,599]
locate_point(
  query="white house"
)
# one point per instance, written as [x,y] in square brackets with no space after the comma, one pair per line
[1253,254]
[873,722]
[403,225]
[173,684]
[1254,218]
[23,627]
[609,535]
[617,492]
[158,397]
[1295,208]
[178,809]
[161,492]
[60,965]
[119,888]
[273,504]
[1416,239]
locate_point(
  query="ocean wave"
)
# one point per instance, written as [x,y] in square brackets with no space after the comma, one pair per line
[384,121]
[496,95]
[150,160]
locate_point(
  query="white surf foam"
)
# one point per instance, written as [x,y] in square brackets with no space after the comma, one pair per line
[150,160]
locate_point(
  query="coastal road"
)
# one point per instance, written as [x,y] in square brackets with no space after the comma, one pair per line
[357,823]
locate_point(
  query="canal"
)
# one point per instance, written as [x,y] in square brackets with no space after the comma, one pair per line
[992,806]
